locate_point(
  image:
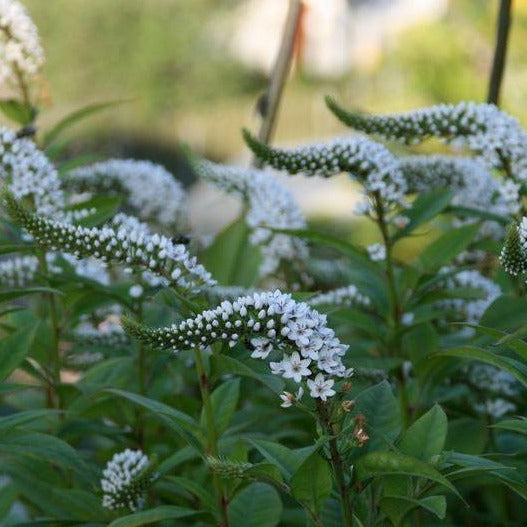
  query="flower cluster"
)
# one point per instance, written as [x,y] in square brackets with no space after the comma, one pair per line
[370,163]
[343,296]
[265,322]
[270,206]
[18,271]
[483,128]
[151,191]
[470,310]
[20,49]
[376,252]
[470,182]
[513,256]
[106,334]
[125,480]
[28,172]
[154,253]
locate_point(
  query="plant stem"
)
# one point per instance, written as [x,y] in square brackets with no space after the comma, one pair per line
[141,377]
[54,352]
[337,463]
[212,436]
[271,100]
[500,51]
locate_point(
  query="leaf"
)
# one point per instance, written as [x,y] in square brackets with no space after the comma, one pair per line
[421,341]
[383,415]
[231,258]
[179,421]
[51,135]
[512,366]
[423,209]
[376,464]
[513,425]
[507,313]
[312,482]
[443,250]
[397,507]
[286,459]
[161,513]
[224,400]
[14,349]
[257,505]
[467,435]
[17,111]
[426,437]
[20,418]
[12,294]
[195,488]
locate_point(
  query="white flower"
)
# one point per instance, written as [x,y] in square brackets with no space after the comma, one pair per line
[295,368]
[289,398]
[320,387]
[407,319]
[262,347]
[18,271]
[376,252]
[343,296]
[136,291]
[124,480]
[20,47]
[401,221]
[150,190]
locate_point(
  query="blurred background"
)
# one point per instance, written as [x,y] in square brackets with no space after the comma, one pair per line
[192,70]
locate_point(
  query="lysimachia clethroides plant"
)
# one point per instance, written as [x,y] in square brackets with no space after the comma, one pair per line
[278,373]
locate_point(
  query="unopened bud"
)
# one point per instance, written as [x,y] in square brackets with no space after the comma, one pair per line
[347,406]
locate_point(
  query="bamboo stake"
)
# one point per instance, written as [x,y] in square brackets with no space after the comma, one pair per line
[281,68]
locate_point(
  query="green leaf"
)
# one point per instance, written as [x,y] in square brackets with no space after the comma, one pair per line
[375,464]
[383,415]
[397,507]
[518,425]
[21,418]
[443,250]
[72,118]
[158,514]
[12,294]
[17,111]
[421,341]
[195,488]
[312,482]
[423,209]
[179,421]
[426,437]
[286,459]
[257,505]
[231,258]
[507,312]
[467,435]
[224,400]
[15,348]
[512,366]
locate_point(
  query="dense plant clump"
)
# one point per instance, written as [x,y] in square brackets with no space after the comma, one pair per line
[317,380]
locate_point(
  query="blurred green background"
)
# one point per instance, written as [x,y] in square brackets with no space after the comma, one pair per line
[163,56]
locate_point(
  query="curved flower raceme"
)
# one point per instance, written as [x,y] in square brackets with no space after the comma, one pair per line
[513,256]
[125,480]
[267,322]
[151,191]
[271,206]
[471,183]
[29,173]
[373,165]
[20,49]
[488,131]
[154,253]
[343,296]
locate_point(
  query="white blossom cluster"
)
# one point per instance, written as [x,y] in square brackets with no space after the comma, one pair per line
[373,165]
[376,252]
[471,183]
[88,268]
[151,191]
[108,333]
[18,271]
[270,206]
[125,479]
[154,253]
[83,359]
[28,172]
[20,50]
[486,130]
[343,296]
[265,322]
[513,256]
[470,310]
[496,408]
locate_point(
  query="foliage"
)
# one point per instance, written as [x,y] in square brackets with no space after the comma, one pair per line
[386,392]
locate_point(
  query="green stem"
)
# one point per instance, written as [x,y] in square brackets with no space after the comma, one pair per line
[141,376]
[54,351]
[212,435]
[337,464]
